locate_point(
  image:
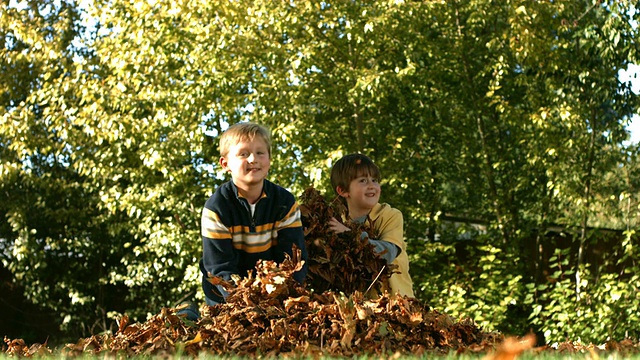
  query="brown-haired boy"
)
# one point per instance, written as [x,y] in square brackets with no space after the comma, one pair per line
[355,178]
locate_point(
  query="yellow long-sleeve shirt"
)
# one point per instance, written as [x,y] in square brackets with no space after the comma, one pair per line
[389,225]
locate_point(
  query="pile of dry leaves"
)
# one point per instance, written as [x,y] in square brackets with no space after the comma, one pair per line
[270,314]
[339,262]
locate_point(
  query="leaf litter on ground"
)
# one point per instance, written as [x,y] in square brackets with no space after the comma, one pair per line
[342,310]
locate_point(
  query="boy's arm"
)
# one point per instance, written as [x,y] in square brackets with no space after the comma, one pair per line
[218,257]
[385,249]
[290,232]
[391,229]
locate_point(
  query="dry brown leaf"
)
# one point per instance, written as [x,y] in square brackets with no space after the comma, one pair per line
[512,347]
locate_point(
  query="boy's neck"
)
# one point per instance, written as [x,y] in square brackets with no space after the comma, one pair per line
[251,193]
[358,213]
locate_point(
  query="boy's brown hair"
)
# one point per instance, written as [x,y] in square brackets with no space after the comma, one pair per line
[350,167]
[245,131]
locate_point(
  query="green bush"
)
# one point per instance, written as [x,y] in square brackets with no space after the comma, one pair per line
[482,279]
[598,307]
[471,278]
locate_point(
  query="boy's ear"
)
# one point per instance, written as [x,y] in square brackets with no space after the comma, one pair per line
[342,192]
[223,162]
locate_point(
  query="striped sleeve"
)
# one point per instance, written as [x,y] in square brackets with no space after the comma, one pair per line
[212,227]
[291,220]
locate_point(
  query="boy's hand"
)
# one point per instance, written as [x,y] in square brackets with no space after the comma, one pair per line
[337,226]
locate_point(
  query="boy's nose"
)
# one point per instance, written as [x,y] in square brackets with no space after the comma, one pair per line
[251,158]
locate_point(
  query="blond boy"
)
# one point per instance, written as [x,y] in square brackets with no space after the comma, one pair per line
[249,218]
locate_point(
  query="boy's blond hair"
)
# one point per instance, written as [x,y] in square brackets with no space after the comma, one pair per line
[245,131]
[350,167]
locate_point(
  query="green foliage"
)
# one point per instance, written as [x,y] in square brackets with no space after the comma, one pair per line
[471,278]
[556,298]
[599,306]
[507,111]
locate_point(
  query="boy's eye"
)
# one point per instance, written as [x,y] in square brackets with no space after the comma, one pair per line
[365,180]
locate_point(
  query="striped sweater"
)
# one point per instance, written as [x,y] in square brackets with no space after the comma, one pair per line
[233,240]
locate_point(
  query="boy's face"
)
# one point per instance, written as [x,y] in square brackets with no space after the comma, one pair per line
[248,162]
[363,194]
